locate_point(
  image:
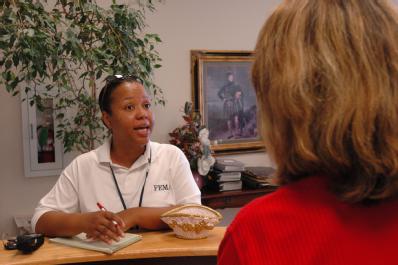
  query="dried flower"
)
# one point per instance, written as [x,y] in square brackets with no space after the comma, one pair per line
[186,136]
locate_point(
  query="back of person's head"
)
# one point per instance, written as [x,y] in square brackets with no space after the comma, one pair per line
[326,77]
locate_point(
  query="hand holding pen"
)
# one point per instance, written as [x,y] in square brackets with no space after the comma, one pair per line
[102,208]
[104,225]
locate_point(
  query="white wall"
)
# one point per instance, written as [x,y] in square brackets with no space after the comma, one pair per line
[186,25]
[183,25]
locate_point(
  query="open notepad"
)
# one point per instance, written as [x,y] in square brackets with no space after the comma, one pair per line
[80,241]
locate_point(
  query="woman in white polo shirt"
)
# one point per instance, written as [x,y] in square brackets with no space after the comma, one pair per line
[135,180]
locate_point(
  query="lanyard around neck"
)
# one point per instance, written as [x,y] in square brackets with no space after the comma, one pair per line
[143,185]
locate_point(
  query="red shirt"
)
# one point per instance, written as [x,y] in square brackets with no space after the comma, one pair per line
[304,223]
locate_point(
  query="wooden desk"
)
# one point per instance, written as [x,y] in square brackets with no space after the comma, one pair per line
[232,199]
[154,247]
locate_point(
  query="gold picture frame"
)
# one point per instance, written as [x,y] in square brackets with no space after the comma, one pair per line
[223,93]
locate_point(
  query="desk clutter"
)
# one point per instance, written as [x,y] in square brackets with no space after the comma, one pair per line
[25,243]
[225,175]
[259,177]
[231,174]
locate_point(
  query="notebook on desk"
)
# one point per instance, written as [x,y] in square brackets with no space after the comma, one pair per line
[80,241]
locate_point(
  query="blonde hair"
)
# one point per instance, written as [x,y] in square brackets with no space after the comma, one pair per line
[326,77]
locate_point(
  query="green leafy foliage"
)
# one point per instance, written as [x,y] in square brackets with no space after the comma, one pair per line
[66,50]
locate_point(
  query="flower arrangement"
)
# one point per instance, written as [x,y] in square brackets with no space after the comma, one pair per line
[186,136]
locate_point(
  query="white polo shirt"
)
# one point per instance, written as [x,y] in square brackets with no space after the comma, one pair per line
[88,180]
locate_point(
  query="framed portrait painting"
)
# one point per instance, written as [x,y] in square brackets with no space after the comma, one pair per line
[224,95]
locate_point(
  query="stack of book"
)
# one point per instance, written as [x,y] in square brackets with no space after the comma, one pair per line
[226,175]
[259,177]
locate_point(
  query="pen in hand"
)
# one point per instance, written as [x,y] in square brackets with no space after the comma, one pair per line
[112,232]
[102,208]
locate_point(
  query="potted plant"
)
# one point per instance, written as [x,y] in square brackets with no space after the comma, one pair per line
[65,51]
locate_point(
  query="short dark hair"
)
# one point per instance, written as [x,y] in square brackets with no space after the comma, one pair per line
[112,82]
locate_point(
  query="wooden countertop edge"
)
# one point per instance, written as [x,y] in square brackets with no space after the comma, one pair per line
[131,252]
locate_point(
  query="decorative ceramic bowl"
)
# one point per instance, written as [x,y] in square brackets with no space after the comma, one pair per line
[191,221]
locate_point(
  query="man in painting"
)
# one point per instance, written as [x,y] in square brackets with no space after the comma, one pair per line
[232,96]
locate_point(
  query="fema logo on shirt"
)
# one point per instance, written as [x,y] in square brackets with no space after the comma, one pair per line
[161,187]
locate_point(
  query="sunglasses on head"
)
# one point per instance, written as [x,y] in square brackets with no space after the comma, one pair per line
[113,78]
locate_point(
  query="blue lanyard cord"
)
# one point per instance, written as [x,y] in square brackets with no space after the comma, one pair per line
[143,186]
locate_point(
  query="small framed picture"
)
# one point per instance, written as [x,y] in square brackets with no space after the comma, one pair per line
[224,95]
[43,152]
